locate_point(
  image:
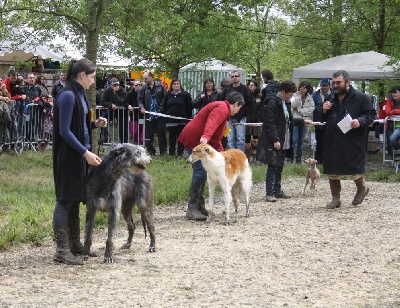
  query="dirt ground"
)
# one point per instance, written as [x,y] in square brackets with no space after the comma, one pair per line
[292,253]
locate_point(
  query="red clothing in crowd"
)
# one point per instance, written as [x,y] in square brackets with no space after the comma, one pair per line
[208,123]
[14,96]
[392,107]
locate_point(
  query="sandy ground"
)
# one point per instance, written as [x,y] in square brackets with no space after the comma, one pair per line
[292,253]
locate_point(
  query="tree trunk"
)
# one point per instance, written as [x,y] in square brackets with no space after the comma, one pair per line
[95,17]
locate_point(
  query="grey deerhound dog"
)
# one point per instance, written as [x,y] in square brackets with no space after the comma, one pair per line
[116,185]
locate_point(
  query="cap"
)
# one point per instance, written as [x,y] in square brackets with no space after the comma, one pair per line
[324,81]
[114,81]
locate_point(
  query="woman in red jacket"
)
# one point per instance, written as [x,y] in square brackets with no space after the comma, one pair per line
[392,107]
[208,126]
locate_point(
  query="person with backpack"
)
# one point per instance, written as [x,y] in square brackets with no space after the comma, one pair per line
[5,117]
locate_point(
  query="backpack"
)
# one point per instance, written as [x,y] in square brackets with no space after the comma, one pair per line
[5,117]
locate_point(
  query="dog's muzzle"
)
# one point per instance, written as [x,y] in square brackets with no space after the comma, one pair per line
[137,168]
[140,166]
[192,159]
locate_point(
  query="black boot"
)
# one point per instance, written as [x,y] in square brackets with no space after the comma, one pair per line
[193,212]
[63,253]
[74,238]
[201,201]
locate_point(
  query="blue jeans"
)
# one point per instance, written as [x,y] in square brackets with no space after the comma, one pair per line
[394,138]
[273,179]
[299,132]
[237,135]
[199,173]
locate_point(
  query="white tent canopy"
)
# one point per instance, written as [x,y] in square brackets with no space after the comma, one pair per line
[24,52]
[210,65]
[369,65]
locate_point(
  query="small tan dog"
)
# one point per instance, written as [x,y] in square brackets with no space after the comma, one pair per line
[251,150]
[312,175]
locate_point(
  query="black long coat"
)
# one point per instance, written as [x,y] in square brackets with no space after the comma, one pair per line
[344,154]
[69,167]
[274,129]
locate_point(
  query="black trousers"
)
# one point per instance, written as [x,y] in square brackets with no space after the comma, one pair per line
[319,137]
[173,134]
[156,126]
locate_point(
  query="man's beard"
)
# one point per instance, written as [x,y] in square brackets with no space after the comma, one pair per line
[341,90]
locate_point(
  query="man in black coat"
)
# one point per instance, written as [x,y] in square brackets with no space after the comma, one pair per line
[150,98]
[114,99]
[271,86]
[344,153]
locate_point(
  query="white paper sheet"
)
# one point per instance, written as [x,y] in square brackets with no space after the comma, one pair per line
[345,124]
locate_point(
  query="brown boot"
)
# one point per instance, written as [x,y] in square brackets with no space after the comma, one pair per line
[335,191]
[362,191]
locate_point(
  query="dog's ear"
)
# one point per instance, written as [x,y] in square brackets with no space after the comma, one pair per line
[205,149]
[118,150]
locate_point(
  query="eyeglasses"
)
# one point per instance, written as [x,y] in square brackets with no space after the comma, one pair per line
[234,76]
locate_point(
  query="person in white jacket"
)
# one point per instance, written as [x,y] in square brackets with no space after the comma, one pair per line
[302,107]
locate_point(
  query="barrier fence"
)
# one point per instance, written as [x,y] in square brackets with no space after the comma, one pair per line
[31,127]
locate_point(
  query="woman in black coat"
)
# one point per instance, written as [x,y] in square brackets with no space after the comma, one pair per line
[177,103]
[275,137]
[71,157]
[208,95]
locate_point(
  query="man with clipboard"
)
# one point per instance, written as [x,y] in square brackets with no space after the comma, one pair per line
[344,150]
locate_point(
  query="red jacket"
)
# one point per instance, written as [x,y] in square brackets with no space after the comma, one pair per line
[391,107]
[14,96]
[208,123]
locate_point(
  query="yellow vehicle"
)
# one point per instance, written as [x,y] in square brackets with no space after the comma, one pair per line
[137,75]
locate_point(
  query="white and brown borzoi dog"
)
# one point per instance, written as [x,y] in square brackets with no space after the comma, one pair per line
[229,169]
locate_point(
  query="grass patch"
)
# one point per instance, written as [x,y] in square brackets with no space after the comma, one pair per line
[27,196]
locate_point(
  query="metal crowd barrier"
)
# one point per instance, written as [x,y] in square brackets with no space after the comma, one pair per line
[124,126]
[32,128]
[13,132]
[388,153]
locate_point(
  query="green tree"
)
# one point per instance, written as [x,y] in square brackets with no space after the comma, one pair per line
[174,33]
[81,23]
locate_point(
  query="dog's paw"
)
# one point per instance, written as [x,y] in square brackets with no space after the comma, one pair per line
[152,248]
[108,259]
[126,246]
